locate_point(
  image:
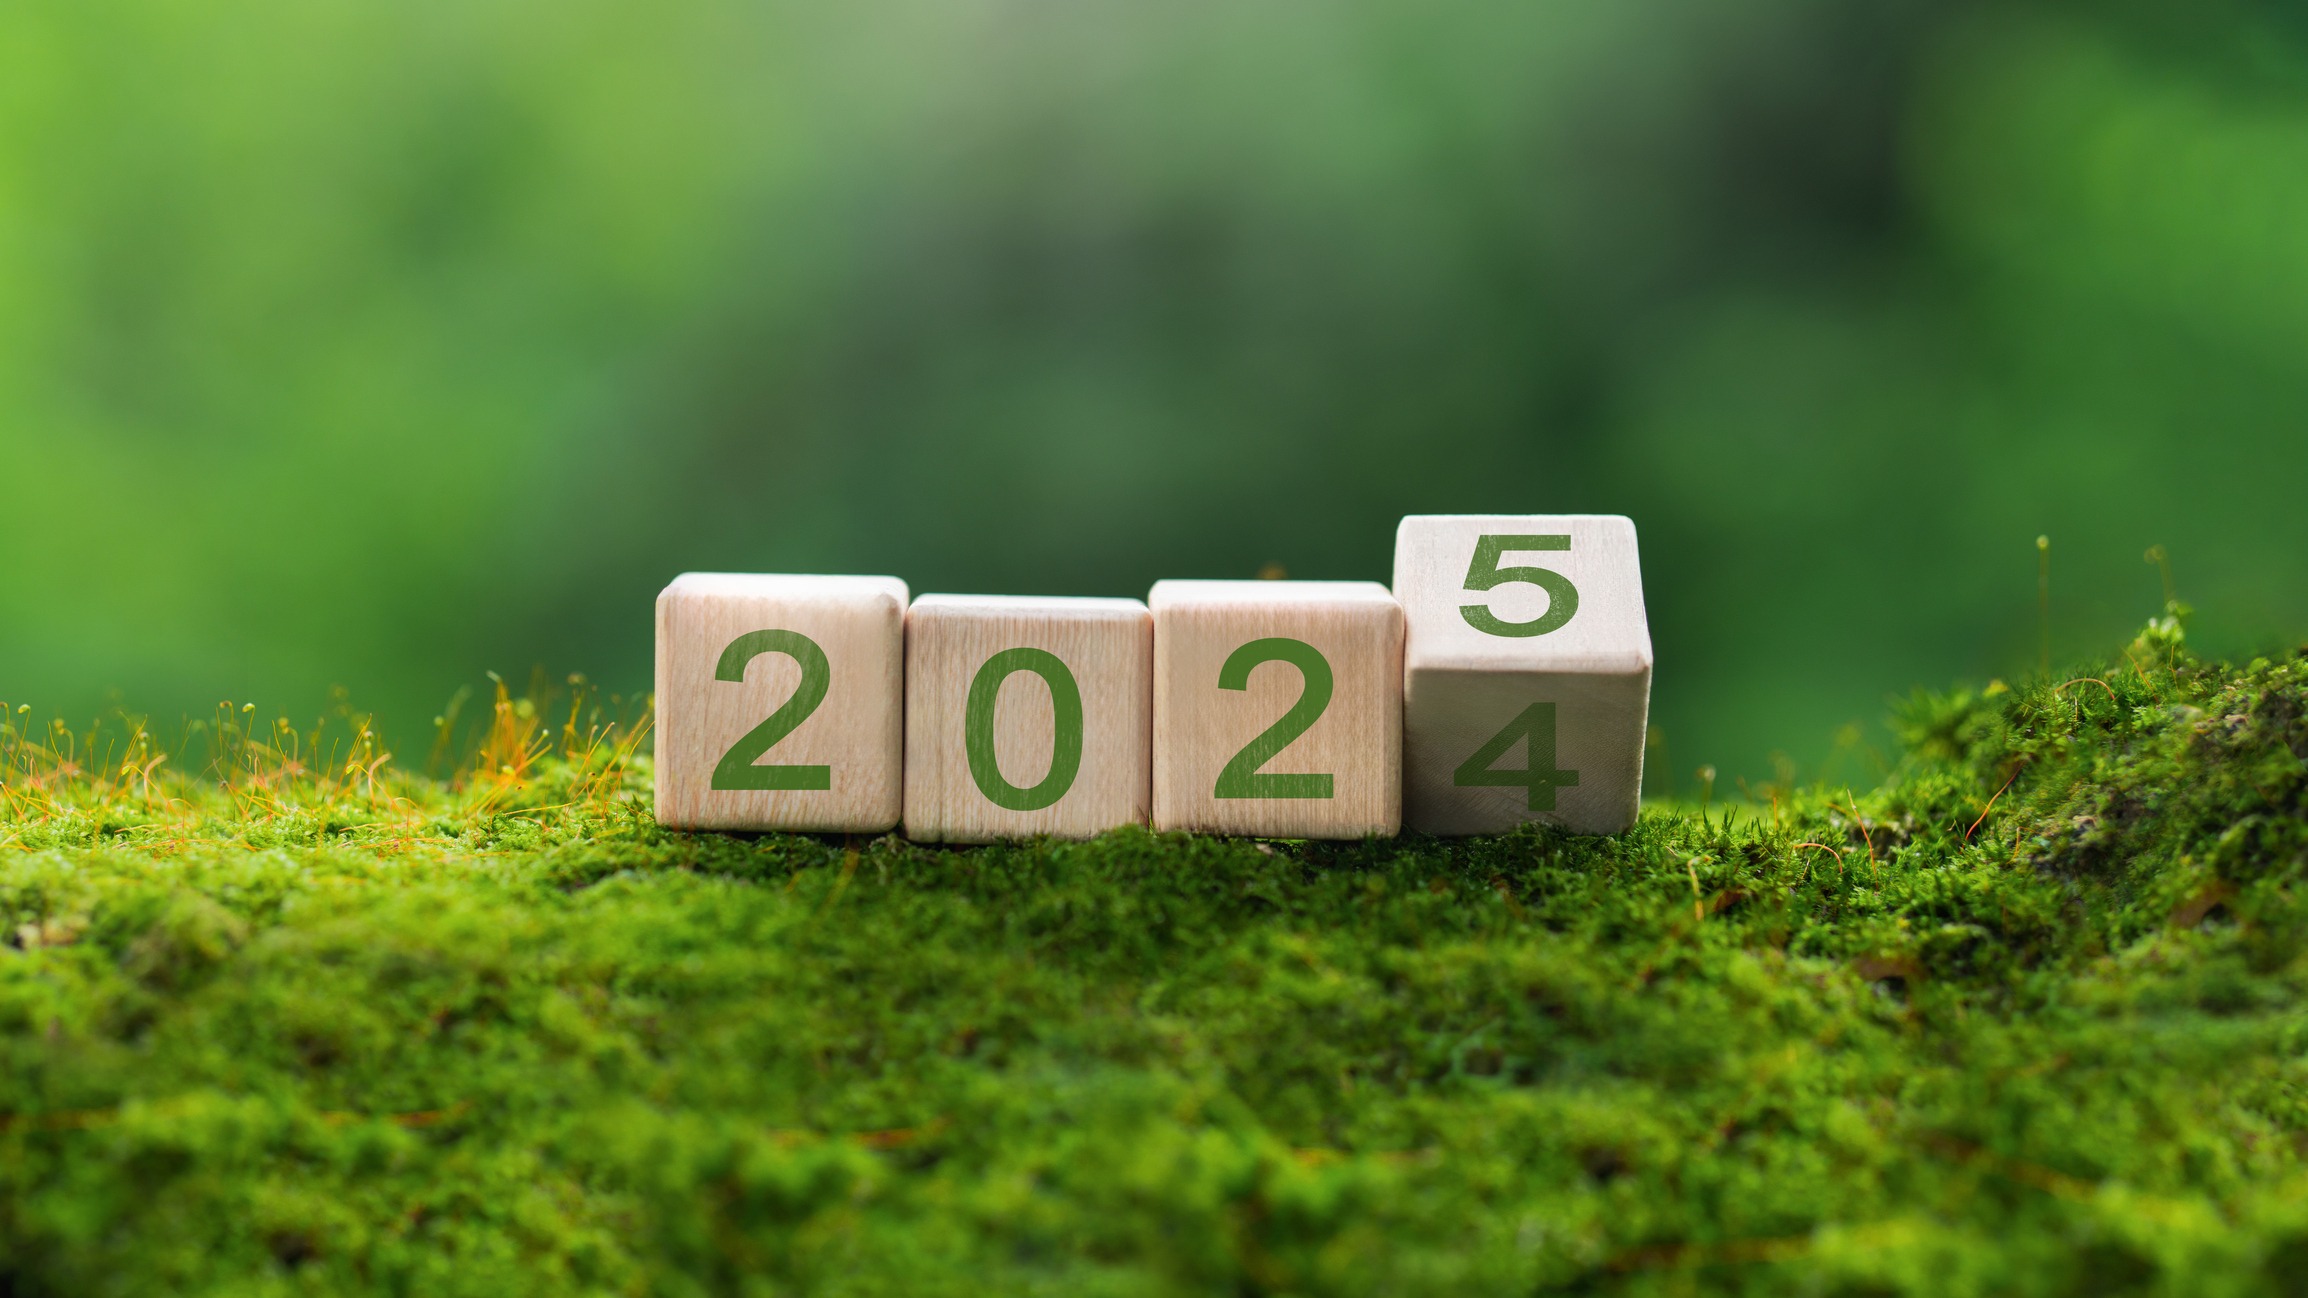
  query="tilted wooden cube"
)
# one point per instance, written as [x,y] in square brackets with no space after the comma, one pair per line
[1526,671]
[1026,715]
[780,702]
[1277,708]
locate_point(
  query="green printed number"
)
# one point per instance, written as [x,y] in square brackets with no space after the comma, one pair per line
[1539,779]
[1065,747]
[736,769]
[1242,778]
[1485,573]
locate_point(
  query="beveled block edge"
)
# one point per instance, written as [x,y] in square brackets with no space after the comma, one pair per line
[806,587]
[1175,592]
[1632,661]
[1088,607]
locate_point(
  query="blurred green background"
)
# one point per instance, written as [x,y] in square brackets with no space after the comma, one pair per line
[378,345]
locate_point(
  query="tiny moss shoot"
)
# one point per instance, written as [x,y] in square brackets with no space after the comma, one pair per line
[281,1017]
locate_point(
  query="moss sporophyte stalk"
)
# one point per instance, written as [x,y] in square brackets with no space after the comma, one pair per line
[279,1015]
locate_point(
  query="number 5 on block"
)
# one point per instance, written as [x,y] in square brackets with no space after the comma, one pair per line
[780,702]
[1277,708]
[1526,671]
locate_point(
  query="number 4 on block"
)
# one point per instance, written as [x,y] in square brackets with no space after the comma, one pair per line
[1526,671]
[1277,708]
[780,702]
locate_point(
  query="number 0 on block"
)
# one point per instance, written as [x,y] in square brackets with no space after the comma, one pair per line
[1026,715]
[1065,729]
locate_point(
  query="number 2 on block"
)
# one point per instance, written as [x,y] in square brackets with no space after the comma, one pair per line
[736,769]
[1484,573]
[1241,777]
[1539,779]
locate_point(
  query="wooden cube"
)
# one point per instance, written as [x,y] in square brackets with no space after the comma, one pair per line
[780,702]
[1277,708]
[1526,671]
[1026,715]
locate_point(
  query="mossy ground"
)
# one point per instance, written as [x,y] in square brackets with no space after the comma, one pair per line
[2027,1018]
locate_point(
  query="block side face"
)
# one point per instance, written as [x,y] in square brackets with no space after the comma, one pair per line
[1201,727]
[855,731]
[1599,727]
[660,687]
[1440,568]
[1110,660]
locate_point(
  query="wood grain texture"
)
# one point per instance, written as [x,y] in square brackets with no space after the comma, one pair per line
[1461,685]
[1108,647]
[1199,727]
[856,732]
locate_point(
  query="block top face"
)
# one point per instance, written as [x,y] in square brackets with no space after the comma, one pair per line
[1009,607]
[1168,595]
[1486,592]
[806,588]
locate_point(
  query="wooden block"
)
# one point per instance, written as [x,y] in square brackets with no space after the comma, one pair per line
[1526,671]
[780,702]
[1277,708]
[1026,715]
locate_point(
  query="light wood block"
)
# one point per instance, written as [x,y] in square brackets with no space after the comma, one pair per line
[1026,715]
[814,667]
[1247,739]
[1526,671]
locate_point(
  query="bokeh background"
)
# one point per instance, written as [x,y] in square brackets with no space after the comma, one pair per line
[374,346]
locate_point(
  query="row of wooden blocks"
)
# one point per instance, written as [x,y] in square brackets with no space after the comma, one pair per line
[1506,677]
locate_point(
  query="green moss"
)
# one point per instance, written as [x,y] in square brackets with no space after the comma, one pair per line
[507,1035]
